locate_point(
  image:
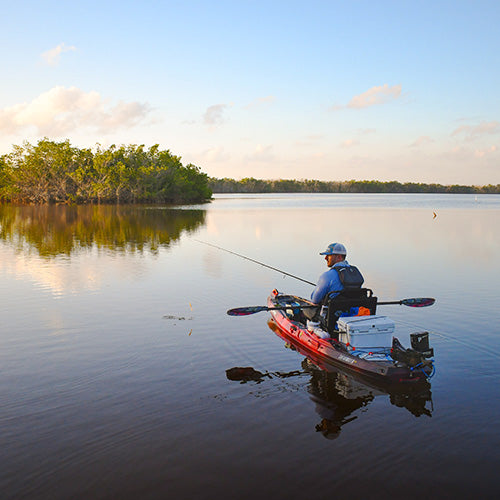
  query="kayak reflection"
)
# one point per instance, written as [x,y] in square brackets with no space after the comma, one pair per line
[338,396]
[350,390]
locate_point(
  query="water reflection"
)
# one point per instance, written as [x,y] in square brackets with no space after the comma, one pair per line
[339,397]
[61,230]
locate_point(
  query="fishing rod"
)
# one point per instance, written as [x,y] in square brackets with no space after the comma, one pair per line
[244,311]
[256,262]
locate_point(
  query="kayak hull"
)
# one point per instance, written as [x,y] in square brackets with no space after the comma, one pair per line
[377,365]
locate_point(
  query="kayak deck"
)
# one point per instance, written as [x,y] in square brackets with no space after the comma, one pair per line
[373,361]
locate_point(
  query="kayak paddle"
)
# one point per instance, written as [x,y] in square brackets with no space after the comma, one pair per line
[245,311]
[418,302]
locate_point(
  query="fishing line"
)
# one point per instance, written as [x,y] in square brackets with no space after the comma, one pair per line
[434,332]
[255,261]
[473,347]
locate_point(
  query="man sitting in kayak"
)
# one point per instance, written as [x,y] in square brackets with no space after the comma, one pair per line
[329,281]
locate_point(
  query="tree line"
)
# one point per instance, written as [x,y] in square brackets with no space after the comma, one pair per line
[57,172]
[251,185]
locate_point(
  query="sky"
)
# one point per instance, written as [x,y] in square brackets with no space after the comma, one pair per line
[328,90]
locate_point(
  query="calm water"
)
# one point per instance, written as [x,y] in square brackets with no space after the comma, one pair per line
[115,345]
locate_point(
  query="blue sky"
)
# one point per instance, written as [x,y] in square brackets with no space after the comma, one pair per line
[330,90]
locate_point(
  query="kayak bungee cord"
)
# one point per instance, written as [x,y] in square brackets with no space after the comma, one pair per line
[256,262]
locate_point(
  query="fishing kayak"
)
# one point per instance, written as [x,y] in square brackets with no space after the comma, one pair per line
[361,344]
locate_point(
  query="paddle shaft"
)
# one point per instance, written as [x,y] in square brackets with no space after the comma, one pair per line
[257,262]
[245,311]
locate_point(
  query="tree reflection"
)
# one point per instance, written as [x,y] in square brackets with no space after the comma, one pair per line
[53,230]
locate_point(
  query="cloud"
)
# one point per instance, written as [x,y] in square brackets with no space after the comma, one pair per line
[213,114]
[62,110]
[311,140]
[465,154]
[215,155]
[372,97]
[319,155]
[349,143]
[261,154]
[471,133]
[261,101]
[484,152]
[52,57]
[421,141]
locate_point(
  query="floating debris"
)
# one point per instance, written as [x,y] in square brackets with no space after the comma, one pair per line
[293,373]
[178,318]
[245,374]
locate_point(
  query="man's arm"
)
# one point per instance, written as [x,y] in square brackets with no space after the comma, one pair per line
[321,289]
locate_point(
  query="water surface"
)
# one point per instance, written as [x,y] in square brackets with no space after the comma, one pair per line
[115,346]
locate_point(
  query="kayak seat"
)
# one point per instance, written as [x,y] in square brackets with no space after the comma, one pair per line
[342,304]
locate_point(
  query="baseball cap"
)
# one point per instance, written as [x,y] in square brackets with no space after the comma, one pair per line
[335,249]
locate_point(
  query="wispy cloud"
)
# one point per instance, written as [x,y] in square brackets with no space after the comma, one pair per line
[215,155]
[62,110]
[349,143]
[471,133]
[421,141]
[311,140]
[214,114]
[484,152]
[52,57]
[372,97]
[261,101]
[261,154]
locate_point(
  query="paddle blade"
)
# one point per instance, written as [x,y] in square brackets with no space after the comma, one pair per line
[418,302]
[245,311]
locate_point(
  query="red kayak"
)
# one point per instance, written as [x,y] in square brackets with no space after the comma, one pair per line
[361,344]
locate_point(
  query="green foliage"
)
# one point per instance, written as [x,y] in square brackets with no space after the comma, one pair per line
[56,172]
[251,185]
[54,230]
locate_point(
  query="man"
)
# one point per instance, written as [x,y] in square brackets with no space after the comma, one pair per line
[329,281]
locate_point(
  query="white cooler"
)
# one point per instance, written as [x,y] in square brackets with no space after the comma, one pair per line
[366,331]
